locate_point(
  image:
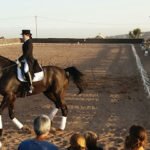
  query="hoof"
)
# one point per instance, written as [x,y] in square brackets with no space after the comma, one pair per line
[26,130]
[53,130]
[56,131]
[60,130]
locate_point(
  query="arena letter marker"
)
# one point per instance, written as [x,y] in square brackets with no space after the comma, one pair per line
[63,123]
[17,123]
[53,113]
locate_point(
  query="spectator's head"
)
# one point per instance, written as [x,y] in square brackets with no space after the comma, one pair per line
[91,139]
[136,139]
[42,125]
[77,142]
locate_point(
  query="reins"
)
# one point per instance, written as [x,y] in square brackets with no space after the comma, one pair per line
[5,68]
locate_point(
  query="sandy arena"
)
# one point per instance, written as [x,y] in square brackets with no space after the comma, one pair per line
[114,100]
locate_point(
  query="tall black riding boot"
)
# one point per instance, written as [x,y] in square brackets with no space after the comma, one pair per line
[29,80]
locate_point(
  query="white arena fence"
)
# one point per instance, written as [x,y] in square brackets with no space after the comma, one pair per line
[7,42]
[143,73]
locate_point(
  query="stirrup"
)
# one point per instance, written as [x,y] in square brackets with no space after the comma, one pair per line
[31,89]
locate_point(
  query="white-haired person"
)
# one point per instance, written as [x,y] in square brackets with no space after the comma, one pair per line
[42,125]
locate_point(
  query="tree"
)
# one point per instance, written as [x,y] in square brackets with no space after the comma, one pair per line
[131,35]
[99,36]
[135,34]
[2,37]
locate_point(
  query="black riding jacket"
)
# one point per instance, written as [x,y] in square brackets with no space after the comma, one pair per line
[27,49]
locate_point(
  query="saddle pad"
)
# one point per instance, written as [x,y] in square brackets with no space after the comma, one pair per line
[37,76]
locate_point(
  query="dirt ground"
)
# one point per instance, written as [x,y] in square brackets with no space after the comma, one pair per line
[113,101]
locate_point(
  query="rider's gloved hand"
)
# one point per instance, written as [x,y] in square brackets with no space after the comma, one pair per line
[18,63]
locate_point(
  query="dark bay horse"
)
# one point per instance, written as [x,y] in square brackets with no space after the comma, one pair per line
[53,86]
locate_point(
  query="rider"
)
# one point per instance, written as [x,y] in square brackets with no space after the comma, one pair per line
[27,58]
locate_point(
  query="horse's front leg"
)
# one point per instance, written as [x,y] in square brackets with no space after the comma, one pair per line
[3,105]
[11,99]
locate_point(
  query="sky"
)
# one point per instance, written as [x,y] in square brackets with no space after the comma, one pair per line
[73,18]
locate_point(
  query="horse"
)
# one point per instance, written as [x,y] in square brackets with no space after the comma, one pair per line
[53,86]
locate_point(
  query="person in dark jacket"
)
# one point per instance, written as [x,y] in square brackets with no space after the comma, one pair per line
[91,141]
[137,138]
[27,57]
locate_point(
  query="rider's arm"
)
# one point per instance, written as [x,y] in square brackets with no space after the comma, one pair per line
[28,49]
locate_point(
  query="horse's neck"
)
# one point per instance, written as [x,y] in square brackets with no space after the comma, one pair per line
[1,72]
[5,62]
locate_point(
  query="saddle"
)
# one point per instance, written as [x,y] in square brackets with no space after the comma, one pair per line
[37,74]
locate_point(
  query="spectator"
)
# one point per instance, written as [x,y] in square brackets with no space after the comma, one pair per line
[42,125]
[136,139]
[91,141]
[77,142]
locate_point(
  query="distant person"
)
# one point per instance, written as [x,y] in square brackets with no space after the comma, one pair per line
[77,142]
[42,125]
[91,141]
[137,138]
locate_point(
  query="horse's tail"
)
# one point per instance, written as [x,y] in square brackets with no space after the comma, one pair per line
[77,77]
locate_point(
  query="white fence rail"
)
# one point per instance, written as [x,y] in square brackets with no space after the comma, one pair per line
[9,44]
[143,73]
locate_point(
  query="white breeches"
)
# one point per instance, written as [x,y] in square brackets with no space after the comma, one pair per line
[26,66]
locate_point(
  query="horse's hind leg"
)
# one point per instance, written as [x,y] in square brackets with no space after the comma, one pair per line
[64,111]
[60,103]
[56,98]
[51,97]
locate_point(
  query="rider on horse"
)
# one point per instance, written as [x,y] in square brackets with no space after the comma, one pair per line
[27,58]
